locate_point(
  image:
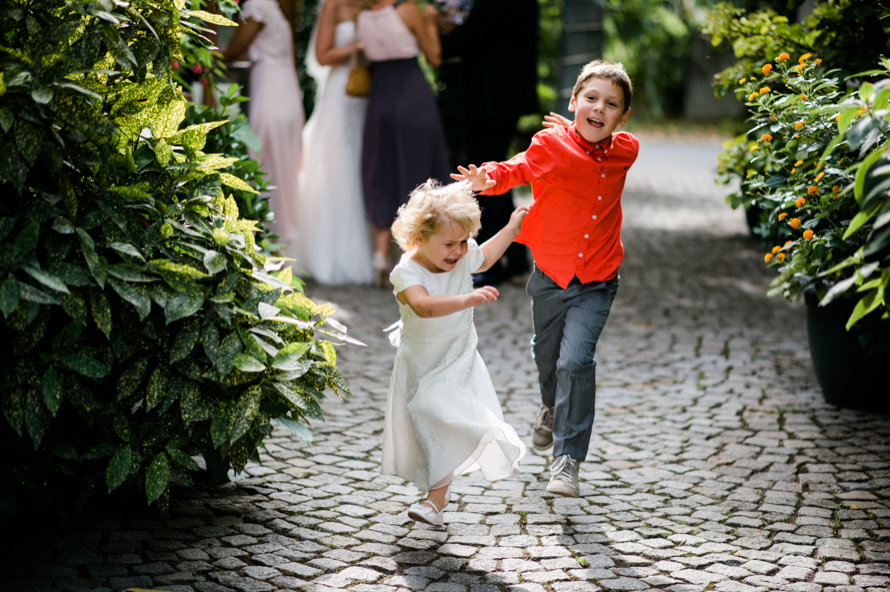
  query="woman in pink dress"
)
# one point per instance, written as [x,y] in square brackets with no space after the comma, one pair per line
[276,106]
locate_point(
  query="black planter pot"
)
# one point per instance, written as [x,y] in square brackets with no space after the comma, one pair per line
[847,380]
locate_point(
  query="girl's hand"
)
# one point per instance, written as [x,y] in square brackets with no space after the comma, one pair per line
[480,295]
[477,177]
[516,217]
[555,120]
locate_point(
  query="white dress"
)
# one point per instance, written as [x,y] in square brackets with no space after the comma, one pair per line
[334,242]
[276,112]
[443,418]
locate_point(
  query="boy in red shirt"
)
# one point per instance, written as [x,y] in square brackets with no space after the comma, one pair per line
[577,172]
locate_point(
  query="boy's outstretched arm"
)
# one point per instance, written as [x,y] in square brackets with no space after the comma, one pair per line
[426,306]
[477,177]
[494,248]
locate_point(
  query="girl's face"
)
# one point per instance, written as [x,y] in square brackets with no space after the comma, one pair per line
[442,251]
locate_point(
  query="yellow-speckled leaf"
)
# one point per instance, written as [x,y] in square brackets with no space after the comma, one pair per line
[235,182]
[217,161]
[163,152]
[215,19]
[167,265]
[192,405]
[244,412]
[157,477]
[157,388]
[131,378]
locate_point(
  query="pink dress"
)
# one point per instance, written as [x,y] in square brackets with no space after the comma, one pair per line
[276,113]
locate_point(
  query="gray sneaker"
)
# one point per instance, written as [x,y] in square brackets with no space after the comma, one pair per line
[564,477]
[542,431]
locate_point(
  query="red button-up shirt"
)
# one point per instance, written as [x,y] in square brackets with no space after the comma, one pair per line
[573,227]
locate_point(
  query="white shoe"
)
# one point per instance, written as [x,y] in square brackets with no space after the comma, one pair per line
[429,514]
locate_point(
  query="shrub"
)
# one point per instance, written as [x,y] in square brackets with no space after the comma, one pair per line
[144,326]
[820,172]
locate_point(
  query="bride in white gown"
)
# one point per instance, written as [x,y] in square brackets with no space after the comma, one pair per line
[334,244]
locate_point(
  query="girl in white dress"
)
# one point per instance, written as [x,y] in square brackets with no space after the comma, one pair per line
[334,239]
[443,417]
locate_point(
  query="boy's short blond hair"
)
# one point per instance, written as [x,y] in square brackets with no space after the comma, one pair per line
[613,71]
[430,207]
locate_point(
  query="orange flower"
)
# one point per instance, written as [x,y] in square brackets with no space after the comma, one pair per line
[803,97]
[787,243]
[783,57]
[804,58]
[861,111]
[819,176]
[782,216]
[799,68]
[766,69]
[800,201]
[807,234]
[772,117]
[780,257]
[764,90]
[812,190]
[752,148]
[743,80]
[752,96]
[835,188]
[798,163]
[795,222]
[792,170]
[766,138]
[818,60]
[837,117]
[767,257]
[799,124]
[776,249]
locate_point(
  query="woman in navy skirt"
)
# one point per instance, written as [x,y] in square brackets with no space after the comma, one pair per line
[403,143]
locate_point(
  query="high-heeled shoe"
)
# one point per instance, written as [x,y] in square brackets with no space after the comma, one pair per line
[431,514]
[381,267]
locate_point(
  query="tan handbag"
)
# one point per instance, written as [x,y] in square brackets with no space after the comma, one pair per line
[359,82]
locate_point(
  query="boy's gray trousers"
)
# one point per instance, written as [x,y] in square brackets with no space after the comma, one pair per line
[567,325]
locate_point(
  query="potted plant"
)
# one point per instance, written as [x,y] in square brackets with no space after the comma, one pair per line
[820,174]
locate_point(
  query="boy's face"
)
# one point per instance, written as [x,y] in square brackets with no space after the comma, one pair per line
[599,109]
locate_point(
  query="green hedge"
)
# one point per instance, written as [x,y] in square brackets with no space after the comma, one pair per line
[144,326]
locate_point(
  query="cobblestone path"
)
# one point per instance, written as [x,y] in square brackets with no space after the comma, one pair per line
[714,465]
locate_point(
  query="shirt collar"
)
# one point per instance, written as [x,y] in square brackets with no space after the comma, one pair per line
[601,146]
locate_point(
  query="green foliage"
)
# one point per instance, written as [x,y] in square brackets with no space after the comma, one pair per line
[848,35]
[652,38]
[819,163]
[132,291]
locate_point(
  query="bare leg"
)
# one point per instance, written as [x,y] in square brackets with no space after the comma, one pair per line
[382,264]
[382,239]
[437,496]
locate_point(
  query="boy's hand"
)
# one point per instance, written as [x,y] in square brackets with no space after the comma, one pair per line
[555,120]
[477,177]
[480,295]
[516,217]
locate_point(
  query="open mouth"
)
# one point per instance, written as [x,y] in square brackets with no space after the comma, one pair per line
[593,121]
[451,261]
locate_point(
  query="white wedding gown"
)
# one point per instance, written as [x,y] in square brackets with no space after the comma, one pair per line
[443,417]
[334,242]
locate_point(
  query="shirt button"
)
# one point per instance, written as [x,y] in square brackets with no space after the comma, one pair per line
[599,159]
[599,197]
[603,175]
[586,236]
[580,254]
[594,217]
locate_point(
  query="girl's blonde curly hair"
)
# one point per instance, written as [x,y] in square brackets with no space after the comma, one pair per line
[430,207]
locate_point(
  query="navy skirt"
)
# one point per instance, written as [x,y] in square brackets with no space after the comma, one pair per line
[403,143]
